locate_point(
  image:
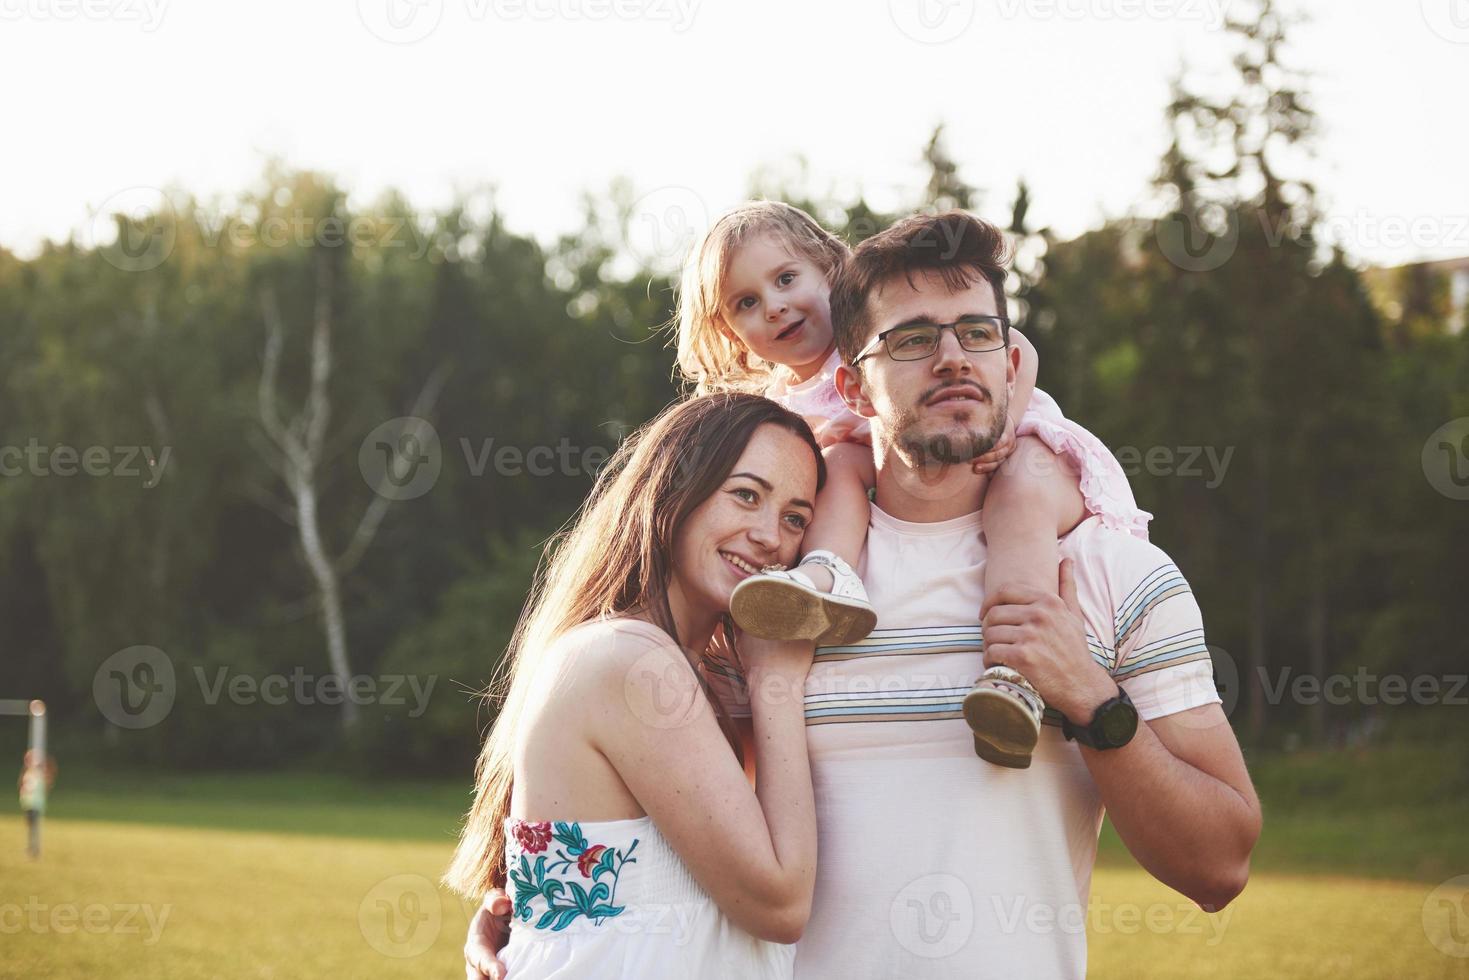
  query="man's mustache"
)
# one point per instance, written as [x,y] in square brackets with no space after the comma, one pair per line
[966,383]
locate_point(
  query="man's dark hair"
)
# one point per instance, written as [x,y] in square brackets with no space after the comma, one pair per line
[956,246]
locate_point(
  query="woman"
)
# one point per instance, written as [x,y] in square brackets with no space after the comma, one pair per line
[610,790]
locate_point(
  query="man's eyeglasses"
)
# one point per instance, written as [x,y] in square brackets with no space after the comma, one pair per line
[915,341]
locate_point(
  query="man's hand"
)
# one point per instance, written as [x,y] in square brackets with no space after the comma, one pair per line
[489,931]
[993,459]
[1044,637]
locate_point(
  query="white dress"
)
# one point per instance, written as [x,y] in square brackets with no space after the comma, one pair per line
[610,898]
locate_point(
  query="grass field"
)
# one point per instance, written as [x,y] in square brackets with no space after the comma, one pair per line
[275,876]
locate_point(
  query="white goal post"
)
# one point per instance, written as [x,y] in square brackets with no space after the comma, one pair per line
[37,711]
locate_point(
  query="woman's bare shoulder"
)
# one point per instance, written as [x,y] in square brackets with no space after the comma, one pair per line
[597,650]
[618,671]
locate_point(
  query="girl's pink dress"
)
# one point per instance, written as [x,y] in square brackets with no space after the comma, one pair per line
[1103,484]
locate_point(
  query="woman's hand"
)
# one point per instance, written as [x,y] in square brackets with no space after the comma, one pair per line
[489,931]
[784,658]
[993,459]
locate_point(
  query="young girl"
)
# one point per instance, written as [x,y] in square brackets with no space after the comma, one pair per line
[754,315]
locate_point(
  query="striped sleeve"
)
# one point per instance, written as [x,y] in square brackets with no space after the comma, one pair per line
[1162,659]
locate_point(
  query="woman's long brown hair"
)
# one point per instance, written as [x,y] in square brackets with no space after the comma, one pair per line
[614,557]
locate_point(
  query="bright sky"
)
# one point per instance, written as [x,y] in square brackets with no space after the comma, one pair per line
[547,99]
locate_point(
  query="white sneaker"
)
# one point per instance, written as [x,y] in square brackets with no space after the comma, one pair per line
[789,606]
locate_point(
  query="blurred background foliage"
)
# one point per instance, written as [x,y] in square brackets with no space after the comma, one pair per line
[1320,547]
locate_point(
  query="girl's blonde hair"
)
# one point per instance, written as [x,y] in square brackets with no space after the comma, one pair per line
[710,356]
[616,557]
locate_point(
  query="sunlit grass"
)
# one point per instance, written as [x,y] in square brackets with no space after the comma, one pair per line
[273,905]
[230,904]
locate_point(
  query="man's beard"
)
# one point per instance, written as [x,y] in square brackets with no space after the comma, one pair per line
[950,448]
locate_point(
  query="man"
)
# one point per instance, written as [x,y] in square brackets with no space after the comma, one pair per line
[933,863]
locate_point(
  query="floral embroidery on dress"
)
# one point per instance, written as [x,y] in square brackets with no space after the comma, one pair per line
[552,878]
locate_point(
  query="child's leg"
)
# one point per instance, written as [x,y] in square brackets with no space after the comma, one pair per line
[842,509]
[1032,500]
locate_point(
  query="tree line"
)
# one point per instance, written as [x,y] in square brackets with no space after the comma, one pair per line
[307,438]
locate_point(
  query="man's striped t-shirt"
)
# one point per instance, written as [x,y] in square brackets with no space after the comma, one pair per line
[932,862]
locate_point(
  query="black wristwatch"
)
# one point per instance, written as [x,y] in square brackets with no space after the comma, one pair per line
[1112,725]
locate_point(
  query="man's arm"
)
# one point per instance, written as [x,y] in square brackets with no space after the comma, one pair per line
[1182,802]
[1178,793]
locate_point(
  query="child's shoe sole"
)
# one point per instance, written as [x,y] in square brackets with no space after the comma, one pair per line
[774,609]
[1005,732]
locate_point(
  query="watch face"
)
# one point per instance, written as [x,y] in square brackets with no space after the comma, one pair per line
[1118,723]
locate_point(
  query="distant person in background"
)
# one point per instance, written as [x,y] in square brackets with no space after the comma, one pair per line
[36,776]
